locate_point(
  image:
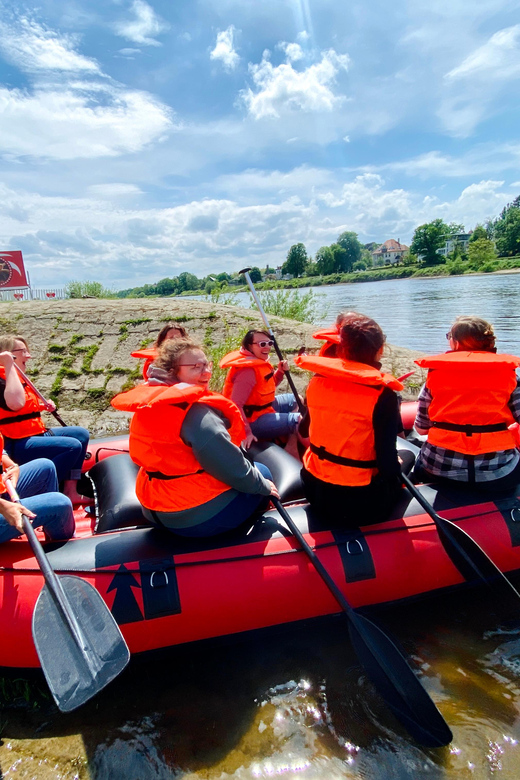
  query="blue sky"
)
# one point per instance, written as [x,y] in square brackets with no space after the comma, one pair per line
[142,139]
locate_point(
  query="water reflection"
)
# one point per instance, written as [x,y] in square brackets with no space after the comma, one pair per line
[294,703]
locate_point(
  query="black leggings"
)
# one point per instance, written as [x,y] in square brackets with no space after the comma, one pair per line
[345,506]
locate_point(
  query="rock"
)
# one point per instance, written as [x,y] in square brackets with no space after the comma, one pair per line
[81,348]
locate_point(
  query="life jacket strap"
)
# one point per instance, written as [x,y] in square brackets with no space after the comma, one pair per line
[469,430]
[159,475]
[19,418]
[323,454]
[249,409]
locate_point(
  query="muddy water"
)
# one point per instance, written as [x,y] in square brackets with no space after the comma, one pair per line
[294,703]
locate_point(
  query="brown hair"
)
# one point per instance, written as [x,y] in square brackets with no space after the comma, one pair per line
[248,339]
[361,339]
[161,336]
[7,342]
[170,353]
[473,334]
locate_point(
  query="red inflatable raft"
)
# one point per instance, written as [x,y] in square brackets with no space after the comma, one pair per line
[164,590]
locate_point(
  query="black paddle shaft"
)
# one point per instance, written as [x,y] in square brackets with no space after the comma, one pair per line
[468,556]
[277,349]
[383,661]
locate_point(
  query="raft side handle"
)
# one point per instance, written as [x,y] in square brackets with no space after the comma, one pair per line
[163,585]
[354,551]
[515,519]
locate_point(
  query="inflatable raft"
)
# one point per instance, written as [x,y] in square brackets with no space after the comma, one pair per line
[164,590]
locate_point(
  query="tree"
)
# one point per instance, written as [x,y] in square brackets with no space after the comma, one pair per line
[480,252]
[479,232]
[255,274]
[325,260]
[429,238]
[167,286]
[348,241]
[87,289]
[506,229]
[340,255]
[296,260]
[188,281]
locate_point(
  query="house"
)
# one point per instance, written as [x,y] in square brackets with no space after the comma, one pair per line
[391,252]
[460,239]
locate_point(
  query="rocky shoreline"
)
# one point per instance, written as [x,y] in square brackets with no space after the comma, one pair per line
[81,348]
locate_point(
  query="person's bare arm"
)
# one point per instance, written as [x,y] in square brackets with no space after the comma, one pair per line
[14,393]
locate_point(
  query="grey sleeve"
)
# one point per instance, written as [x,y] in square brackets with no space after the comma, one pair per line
[205,430]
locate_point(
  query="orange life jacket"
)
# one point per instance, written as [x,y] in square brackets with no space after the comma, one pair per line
[170,478]
[261,398]
[341,400]
[470,394]
[26,421]
[148,355]
[332,339]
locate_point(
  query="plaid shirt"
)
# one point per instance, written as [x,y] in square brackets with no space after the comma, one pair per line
[455,465]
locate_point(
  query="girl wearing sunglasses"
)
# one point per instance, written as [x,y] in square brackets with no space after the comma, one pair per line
[251,384]
[194,479]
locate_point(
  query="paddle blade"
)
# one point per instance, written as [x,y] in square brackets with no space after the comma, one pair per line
[470,559]
[77,670]
[397,683]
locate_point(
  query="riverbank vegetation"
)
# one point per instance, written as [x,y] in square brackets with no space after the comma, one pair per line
[437,249]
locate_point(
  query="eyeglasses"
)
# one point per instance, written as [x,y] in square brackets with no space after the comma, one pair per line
[448,336]
[22,349]
[263,343]
[199,367]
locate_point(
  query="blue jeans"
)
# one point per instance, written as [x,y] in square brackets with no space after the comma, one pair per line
[38,491]
[280,423]
[236,512]
[66,447]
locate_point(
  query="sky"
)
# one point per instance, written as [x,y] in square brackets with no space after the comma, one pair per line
[142,139]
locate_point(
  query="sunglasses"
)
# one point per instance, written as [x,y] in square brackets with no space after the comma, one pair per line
[263,344]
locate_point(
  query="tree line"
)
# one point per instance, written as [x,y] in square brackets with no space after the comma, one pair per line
[500,237]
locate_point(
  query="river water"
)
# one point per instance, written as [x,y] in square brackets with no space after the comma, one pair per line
[295,703]
[417,313]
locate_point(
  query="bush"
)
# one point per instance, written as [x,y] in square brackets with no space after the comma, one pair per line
[291,305]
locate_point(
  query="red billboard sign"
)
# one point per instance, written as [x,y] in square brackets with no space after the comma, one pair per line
[12,271]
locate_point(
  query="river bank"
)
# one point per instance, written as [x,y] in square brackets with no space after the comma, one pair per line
[82,348]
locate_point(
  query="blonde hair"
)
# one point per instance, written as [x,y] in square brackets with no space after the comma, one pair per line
[170,353]
[7,342]
[473,334]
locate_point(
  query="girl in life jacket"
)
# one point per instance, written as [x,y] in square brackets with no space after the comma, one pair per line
[25,434]
[467,407]
[351,468]
[251,384]
[331,336]
[171,330]
[193,478]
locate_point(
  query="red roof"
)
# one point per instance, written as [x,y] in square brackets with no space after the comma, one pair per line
[392,246]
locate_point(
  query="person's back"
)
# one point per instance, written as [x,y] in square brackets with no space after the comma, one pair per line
[466,407]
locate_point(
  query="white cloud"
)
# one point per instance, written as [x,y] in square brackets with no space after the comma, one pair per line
[35,48]
[68,124]
[293,51]
[282,88]
[499,58]
[113,190]
[143,27]
[224,49]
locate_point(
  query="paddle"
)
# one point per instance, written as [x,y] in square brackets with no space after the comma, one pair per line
[256,299]
[78,642]
[40,396]
[383,661]
[469,558]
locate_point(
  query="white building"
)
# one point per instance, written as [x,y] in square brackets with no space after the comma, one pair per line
[391,252]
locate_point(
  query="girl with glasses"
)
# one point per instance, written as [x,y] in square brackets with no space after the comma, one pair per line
[251,383]
[25,434]
[193,478]
[467,406]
